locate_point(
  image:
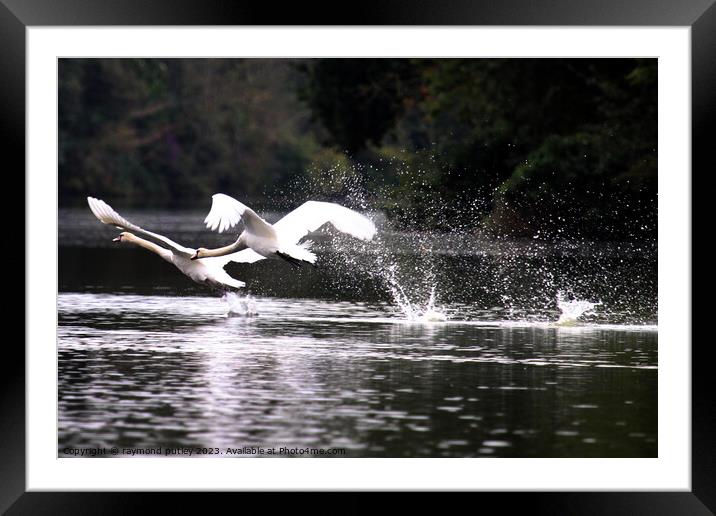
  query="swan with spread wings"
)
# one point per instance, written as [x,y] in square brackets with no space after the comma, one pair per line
[282,240]
[209,272]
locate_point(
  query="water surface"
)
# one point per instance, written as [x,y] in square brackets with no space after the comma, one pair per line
[148,359]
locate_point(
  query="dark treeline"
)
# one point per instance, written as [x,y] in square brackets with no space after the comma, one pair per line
[555,147]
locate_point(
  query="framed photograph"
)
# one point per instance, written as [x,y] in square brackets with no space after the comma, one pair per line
[437,247]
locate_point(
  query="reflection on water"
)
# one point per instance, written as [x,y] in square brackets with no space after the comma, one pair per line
[143,371]
[147,358]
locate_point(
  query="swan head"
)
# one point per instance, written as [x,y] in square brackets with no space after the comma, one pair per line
[123,236]
[200,253]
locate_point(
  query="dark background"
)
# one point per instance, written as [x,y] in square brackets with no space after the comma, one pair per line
[520,147]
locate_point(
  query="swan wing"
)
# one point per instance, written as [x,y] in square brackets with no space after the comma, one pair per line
[226,212]
[107,215]
[218,274]
[243,256]
[312,215]
[218,263]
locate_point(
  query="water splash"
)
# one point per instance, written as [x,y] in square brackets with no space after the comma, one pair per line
[413,312]
[475,272]
[572,309]
[433,313]
[239,307]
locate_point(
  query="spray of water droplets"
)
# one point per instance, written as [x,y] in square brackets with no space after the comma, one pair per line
[457,271]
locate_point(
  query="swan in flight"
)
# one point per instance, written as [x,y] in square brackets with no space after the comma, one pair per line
[208,272]
[280,240]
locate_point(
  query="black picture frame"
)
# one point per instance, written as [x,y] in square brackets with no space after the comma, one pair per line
[17,15]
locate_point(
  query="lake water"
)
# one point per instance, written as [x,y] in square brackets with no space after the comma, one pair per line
[338,357]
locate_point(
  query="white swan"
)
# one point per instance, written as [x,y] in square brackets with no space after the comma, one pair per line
[208,272]
[281,240]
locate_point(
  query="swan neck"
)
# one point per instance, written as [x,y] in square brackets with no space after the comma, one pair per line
[151,246]
[223,251]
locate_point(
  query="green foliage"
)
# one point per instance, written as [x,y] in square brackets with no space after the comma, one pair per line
[599,178]
[178,129]
[510,146]
[357,100]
